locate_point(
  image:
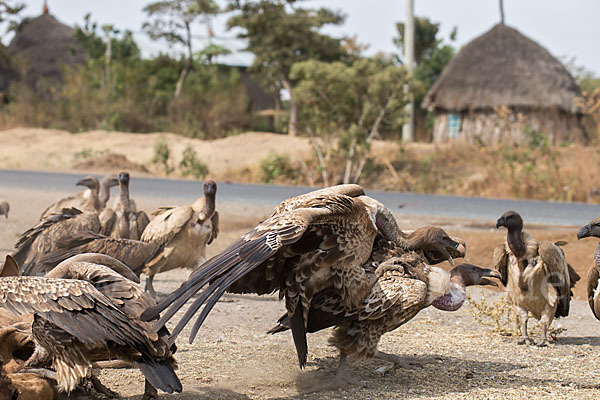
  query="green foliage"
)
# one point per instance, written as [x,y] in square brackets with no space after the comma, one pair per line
[162,155]
[9,11]
[587,80]
[276,167]
[191,166]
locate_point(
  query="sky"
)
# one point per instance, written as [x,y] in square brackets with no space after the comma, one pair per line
[567,29]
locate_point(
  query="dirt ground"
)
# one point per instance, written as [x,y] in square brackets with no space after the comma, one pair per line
[233,358]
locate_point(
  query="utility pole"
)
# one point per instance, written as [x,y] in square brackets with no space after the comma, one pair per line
[409,61]
[502,11]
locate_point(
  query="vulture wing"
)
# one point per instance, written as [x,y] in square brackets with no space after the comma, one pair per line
[350,190]
[108,219]
[138,224]
[593,290]
[167,222]
[557,272]
[500,262]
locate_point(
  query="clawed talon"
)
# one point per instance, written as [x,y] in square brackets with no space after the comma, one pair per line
[525,340]
[542,343]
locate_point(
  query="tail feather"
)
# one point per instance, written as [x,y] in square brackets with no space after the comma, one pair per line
[299,335]
[161,375]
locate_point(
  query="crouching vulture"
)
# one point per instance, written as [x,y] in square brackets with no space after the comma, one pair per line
[86,311]
[537,276]
[593,276]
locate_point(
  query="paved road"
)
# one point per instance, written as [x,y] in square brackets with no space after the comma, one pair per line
[415,204]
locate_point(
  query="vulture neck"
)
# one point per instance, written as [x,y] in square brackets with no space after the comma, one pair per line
[103,194]
[92,202]
[124,195]
[209,205]
[597,256]
[518,247]
[455,298]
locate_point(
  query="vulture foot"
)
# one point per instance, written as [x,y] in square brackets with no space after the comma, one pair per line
[94,387]
[525,340]
[149,287]
[150,392]
[542,343]
[397,362]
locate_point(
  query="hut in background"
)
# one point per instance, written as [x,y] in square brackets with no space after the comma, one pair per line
[42,48]
[502,86]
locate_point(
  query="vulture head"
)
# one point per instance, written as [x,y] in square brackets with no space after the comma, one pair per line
[209,188]
[89,182]
[124,178]
[110,181]
[591,229]
[471,275]
[4,208]
[511,220]
[435,244]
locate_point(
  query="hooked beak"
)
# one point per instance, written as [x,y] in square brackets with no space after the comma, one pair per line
[491,273]
[500,222]
[584,232]
[82,182]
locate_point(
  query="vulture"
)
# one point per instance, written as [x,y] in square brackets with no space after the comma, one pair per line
[86,311]
[314,242]
[4,208]
[536,275]
[404,284]
[95,196]
[593,276]
[45,236]
[186,230]
[122,220]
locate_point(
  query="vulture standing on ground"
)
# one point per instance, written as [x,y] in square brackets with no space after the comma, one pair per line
[536,275]
[314,242]
[85,311]
[593,276]
[403,284]
[122,220]
[45,236]
[4,208]
[186,230]
[98,191]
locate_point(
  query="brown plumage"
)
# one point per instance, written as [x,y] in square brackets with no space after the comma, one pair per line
[537,276]
[84,312]
[45,236]
[403,284]
[122,219]
[4,208]
[593,275]
[312,243]
[94,197]
[186,230]
[133,253]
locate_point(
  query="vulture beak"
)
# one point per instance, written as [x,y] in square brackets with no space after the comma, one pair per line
[490,273]
[500,222]
[584,232]
[450,260]
[83,182]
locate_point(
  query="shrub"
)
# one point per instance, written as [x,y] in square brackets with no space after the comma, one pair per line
[276,166]
[162,154]
[190,165]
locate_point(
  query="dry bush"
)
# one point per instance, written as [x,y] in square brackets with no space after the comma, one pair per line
[499,316]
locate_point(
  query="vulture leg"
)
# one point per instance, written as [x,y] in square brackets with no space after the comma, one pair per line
[41,372]
[342,367]
[397,361]
[150,392]
[149,287]
[98,387]
[545,321]
[523,317]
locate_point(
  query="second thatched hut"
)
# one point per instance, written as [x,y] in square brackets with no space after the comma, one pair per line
[503,87]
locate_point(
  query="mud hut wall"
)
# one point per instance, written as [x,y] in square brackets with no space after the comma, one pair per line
[489,127]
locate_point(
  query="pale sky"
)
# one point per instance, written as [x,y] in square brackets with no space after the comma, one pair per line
[566,29]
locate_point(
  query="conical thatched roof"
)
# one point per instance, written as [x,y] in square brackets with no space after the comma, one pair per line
[503,67]
[45,45]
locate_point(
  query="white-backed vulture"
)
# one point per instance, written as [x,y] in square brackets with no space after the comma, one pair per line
[122,219]
[85,312]
[593,276]
[95,196]
[187,230]
[312,243]
[403,285]
[536,275]
[45,236]
[4,208]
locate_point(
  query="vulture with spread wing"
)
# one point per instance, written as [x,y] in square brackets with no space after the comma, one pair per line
[86,311]
[315,242]
[536,275]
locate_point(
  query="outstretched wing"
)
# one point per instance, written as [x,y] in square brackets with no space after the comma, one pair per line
[350,190]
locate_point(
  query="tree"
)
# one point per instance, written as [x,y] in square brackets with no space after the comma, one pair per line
[280,35]
[345,106]
[172,21]
[9,11]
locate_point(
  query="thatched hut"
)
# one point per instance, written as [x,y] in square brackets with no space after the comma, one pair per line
[42,48]
[502,86]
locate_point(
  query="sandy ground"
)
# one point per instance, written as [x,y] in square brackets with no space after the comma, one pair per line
[233,358]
